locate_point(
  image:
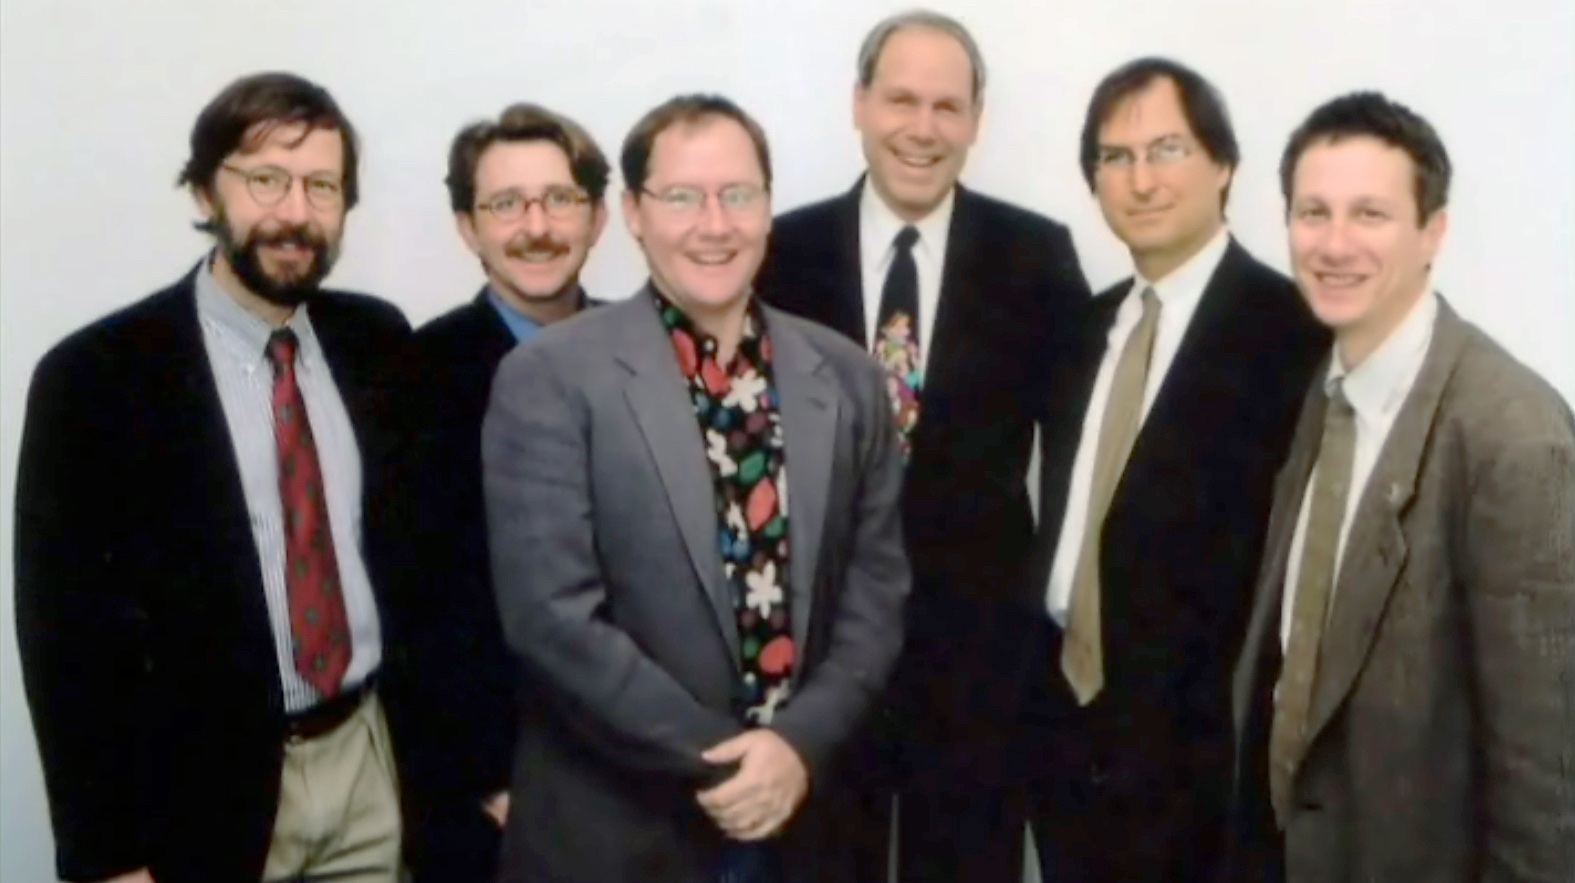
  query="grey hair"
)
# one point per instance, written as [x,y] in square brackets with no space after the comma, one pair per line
[869,53]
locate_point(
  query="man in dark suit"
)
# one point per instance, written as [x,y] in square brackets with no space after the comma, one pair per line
[204,543]
[527,194]
[1155,485]
[692,502]
[1404,698]
[958,294]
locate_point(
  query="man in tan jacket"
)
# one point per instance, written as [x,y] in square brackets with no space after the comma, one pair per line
[1405,701]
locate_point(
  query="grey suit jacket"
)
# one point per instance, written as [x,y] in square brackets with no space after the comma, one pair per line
[1442,730]
[610,586]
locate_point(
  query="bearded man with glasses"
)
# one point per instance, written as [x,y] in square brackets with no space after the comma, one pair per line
[206,539]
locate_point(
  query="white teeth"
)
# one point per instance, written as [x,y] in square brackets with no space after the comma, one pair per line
[1339,280]
[711,260]
[917,162]
[538,257]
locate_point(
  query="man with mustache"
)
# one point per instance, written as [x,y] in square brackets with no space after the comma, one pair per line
[205,538]
[959,296]
[1175,406]
[527,193]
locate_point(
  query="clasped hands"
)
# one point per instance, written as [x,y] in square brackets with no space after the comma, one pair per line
[757,801]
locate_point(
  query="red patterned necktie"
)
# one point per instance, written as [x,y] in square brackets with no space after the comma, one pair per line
[319,627]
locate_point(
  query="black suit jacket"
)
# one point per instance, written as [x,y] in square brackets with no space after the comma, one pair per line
[143,628]
[1180,548]
[467,689]
[1009,282]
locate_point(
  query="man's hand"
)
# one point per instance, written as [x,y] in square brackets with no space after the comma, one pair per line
[760,798]
[142,876]
[497,807]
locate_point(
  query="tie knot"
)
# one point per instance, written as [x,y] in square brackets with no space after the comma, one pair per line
[906,237]
[1149,299]
[1338,402]
[281,348]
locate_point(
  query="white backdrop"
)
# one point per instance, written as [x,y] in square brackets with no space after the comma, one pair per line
[97,100]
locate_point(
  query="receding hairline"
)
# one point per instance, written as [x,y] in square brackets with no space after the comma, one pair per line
[691,124]
[879,38]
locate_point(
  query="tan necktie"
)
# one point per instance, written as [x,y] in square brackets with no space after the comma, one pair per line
[1310,607]
[1082,648]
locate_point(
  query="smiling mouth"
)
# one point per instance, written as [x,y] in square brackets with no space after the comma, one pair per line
[1340,280]
[713,258]
[289,249]
[916,161]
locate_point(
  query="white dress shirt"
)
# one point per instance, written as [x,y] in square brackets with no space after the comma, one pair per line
[1376,389]
[1179,294]
[878,229]
[236,342]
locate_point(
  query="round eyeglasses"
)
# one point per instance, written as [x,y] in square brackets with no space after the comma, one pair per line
[268,185]
[559,203]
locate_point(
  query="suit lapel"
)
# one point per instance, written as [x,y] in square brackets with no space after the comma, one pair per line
[1289,487]
[809,405]
[339,339]
[665,415]
[1197,358]
[1376,546]
[957,275]
[192,403]
[493,339]
[848,290]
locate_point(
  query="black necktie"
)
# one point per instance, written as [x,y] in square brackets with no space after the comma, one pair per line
[900,296]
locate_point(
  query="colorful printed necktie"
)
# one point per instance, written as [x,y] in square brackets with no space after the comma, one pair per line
[897,337]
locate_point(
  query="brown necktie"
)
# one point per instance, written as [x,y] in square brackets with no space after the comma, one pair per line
[319,626]
[1310,607]
[1082,648]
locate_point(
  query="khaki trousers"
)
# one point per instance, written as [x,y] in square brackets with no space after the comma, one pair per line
[338,806]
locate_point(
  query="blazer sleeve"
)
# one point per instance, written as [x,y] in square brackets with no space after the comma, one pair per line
[549,586]
[80,629]
[867,633]
[1064,284]
[1520,585]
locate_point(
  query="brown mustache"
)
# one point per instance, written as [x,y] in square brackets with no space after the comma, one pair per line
[519,248]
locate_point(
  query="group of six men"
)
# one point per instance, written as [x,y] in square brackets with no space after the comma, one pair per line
[693,588]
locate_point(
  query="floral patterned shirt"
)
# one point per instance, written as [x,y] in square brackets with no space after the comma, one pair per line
[739,418]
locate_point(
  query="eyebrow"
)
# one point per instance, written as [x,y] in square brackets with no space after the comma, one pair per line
[1152,141]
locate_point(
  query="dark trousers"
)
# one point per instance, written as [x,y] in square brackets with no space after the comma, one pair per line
[458,843]
[750,863]
[963,834]
[1111,799]
[953,832]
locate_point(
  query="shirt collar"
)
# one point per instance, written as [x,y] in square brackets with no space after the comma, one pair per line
[521,326]
[1181,289]
[1378,385]
[677,323]
[881,225]
[247,332]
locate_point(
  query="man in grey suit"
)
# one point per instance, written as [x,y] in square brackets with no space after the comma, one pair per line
[692,502]
[1405,701]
